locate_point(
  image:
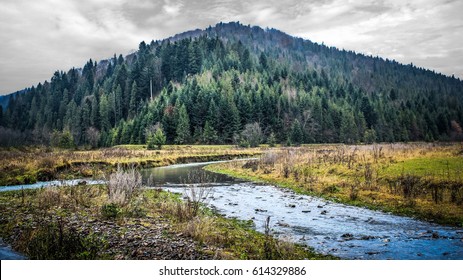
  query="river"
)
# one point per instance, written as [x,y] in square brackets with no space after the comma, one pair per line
[345,231]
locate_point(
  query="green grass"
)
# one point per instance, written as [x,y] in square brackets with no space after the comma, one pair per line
[426,166]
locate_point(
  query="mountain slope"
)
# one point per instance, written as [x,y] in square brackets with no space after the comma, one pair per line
[230,82]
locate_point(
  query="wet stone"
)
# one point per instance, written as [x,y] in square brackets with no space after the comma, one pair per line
[347,236]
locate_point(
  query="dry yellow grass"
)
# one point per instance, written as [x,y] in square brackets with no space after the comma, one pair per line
[41,164]
[418,179]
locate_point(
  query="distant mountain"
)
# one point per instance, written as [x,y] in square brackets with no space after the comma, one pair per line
[4,99]
[215,85]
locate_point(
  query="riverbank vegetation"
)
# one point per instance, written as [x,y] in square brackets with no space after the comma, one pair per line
[27,165]
[419,180]
[115,222]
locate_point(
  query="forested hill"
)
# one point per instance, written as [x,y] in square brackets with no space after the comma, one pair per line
[236,83]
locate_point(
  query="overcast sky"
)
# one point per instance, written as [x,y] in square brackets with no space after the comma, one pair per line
[41,36]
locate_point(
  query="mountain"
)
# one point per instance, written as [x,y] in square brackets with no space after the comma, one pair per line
[224,83]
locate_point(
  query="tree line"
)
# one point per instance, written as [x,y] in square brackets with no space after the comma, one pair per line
[236,84]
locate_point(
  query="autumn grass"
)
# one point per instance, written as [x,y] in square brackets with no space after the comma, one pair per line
[27,165]
[59,223]
[418,179]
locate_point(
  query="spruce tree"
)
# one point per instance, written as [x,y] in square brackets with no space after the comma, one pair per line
[183,126]
[209,134]
[156,139]
[297,134]
[272,140]
[133,100]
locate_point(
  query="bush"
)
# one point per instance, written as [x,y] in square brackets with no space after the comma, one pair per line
[123,185]
[56,241]
[252,135]
[110,211]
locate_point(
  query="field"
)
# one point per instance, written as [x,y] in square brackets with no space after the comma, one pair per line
[418,179]
[121,220]
[30,164]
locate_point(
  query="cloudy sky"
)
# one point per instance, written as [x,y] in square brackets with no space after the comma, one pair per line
[39,37]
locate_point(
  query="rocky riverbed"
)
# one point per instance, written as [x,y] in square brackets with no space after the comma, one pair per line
[143,238]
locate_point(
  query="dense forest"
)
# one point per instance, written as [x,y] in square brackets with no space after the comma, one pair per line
[236,84]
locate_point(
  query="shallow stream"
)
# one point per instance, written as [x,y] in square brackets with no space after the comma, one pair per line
[344,231]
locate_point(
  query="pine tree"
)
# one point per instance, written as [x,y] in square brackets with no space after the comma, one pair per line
[104,113]
[272,140]
[348,132]
[213,115]
[263,61]
[133,101]
[297,134]
[209,134]
[156,139]
[193,58]
[118,101]
[66,140]
[183,126]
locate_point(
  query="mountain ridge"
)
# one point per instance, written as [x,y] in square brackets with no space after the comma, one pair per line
[209,31]
[247,71]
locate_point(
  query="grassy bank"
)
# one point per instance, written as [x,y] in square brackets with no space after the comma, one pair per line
[418,180]
[30,164]
[88,222]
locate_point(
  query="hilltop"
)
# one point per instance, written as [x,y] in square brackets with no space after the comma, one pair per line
[227,83]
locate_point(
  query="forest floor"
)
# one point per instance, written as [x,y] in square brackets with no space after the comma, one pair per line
[421,180]
[27,165]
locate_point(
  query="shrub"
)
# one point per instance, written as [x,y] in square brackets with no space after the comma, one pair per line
[252,135]
[55,240]
[110,211]
[123,185]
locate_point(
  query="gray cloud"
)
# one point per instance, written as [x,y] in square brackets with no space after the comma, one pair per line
[39,37]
